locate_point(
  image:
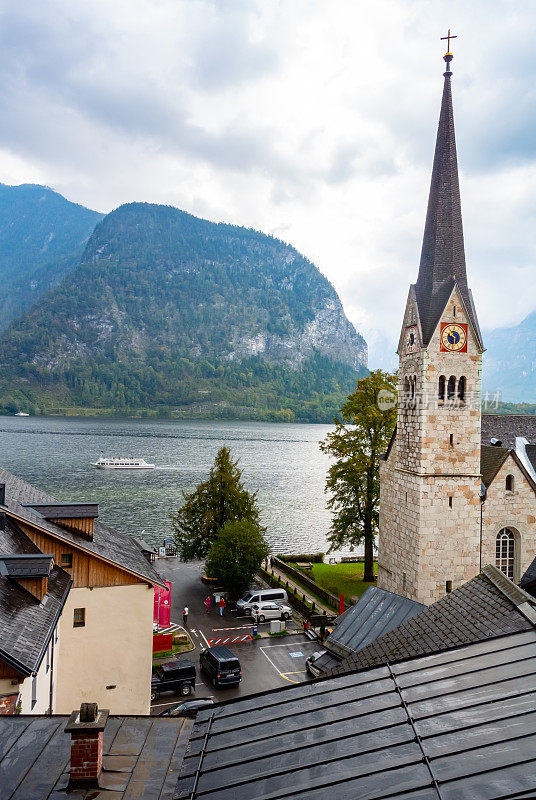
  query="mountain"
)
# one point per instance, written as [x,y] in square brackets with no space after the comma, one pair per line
[510,361]
[169,311]
[42,237]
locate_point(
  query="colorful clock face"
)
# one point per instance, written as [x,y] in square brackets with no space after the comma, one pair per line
[412,340]
[454,337]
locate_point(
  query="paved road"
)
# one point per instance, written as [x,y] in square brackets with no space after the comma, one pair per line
[266,663]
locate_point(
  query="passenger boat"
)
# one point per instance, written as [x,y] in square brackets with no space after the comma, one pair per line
[120,462]
[21,414]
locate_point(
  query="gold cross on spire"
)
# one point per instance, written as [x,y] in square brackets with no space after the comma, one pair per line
[448,38]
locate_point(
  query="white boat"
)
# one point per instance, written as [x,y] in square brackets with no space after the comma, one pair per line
[21,414]
[120,462]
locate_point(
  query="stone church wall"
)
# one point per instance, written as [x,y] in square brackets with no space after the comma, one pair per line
[515,510]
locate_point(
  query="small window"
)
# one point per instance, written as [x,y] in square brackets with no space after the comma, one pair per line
[450,501]
[79,619]
[461,389]
[403,580]
[413,382]
[451,440]
[454,311]
[448,587]
[509,483]
[451,388]
[34,690]
[441,387]
[66,559]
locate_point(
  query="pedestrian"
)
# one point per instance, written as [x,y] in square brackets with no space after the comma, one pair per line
[222,605]
[207,604]
[185,615]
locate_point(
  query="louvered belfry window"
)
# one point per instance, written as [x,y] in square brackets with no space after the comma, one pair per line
[505,552]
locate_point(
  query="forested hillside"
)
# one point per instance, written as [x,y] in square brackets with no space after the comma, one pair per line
[42,237]
[169,312]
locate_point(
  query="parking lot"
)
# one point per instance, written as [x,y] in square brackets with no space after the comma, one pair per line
[266,663]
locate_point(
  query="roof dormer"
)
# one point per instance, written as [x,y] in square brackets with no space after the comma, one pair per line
[74,517]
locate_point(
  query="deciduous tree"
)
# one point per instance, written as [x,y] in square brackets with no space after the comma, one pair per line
[361,436]
[236,555]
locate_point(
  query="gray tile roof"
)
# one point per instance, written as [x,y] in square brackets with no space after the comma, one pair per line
[376,613]
[36,565]
[142,757]
[486,606]
[492,458]
[506,427]
[26,625]
[107,542]
[442,263]
[458,725]
[66,510]
[529,578]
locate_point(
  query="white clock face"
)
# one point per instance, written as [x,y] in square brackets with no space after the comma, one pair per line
[412,339]
[454,337]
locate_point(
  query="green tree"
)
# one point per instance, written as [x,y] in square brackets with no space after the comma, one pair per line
[220,499]
[361,436]
[236,555]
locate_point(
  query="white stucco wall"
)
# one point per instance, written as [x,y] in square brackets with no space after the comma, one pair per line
[114,648]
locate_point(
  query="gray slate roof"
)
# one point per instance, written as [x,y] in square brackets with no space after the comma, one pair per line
[458,725]
[141,758]
[107,542]
[442,265]
[376,613]
[529,578]
[506,427]
[66,510]
[26,625]
[488,605]
[37,565]
[492,458]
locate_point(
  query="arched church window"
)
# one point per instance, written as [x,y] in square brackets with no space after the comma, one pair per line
[509,483]
[451,387]
[413,382]
[505,552]
[441,387]
[461,389]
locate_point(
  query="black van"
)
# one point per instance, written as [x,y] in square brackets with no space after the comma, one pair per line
[221,666]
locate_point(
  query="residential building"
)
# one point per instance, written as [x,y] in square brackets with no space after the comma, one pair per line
[104,643]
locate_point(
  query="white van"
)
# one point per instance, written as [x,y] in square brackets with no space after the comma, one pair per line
[257,596]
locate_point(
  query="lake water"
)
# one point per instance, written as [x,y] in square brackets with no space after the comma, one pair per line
[283,463]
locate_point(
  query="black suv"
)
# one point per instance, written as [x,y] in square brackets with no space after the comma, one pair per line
[221,666]
[174,676]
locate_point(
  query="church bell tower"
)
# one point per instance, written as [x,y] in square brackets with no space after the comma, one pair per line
[429,536]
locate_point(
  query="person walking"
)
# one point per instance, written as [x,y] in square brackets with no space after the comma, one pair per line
[222,605]
[207,604]
[185,616]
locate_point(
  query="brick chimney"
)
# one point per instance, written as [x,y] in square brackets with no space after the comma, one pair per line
[86,728]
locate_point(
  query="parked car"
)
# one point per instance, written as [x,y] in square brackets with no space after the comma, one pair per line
[189,708]
[245,604]
[174,676]
[264,611]
[310,663]
[221,665]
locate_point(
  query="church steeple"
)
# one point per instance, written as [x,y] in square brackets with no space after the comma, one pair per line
[443,255]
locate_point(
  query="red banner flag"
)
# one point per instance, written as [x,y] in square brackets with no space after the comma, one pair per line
[341,605]
[164,616]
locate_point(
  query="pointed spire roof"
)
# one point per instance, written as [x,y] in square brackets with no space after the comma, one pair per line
[443,256]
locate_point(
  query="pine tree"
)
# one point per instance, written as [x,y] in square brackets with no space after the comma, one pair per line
[220,499]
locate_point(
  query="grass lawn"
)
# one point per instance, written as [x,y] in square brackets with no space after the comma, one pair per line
[345,578]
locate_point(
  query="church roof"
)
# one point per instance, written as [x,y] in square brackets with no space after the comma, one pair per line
[486,606]
[442,265]
[491,460]
[505,428]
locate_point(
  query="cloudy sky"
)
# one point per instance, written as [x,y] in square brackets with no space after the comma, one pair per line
[313,120]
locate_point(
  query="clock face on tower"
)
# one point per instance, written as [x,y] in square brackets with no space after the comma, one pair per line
[454,337]
[412,341]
